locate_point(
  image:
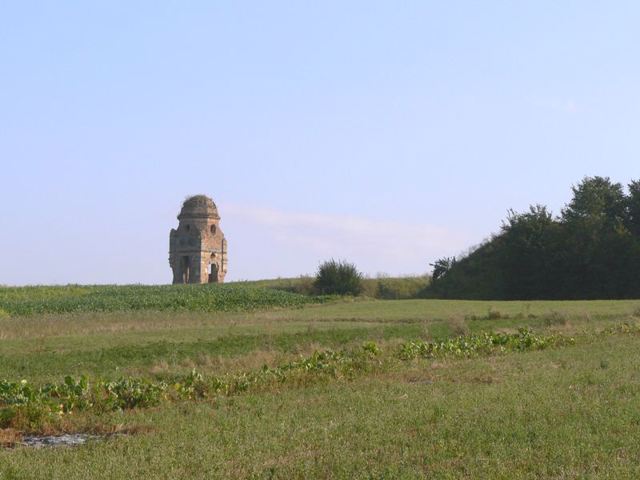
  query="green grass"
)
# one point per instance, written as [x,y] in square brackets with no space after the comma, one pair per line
[36,408]
[387,288]
[43,347]
[532,415]
[565,412]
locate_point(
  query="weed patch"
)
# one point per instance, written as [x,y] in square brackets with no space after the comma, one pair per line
[486,343]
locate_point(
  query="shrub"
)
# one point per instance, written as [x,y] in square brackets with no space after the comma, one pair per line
[338,277]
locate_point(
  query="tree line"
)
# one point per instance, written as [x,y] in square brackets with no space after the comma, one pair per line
[590,251]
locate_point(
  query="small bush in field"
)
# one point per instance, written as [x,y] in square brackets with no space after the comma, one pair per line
[338,278]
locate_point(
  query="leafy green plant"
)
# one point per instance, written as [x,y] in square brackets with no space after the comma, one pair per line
[192,386]
[486,343]
[72,394]
[127,393]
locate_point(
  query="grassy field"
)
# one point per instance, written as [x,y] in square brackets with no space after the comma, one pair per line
[383,287]
[555,409]
[201,298]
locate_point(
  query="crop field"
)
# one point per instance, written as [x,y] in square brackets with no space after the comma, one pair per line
[203,298]
[242,381]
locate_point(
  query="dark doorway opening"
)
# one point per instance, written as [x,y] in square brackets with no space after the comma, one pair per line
[185,268]
[213,273]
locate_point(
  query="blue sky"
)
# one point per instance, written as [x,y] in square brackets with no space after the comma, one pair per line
[386,133]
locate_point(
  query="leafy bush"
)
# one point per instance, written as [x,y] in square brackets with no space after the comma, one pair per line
[128,393]
[338,277]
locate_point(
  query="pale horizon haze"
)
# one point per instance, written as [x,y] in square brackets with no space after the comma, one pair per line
[388,134]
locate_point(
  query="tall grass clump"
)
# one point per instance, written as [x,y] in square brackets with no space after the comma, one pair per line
[395,288]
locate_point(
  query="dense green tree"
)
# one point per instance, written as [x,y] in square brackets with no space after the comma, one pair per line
[591,251]
[529,254]
[596,202]
[633,208]
[441,267]
[594,225]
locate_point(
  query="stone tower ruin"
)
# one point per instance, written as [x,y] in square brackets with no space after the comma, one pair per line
[197,248]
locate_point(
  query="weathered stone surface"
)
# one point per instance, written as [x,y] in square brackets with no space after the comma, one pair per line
[197,248]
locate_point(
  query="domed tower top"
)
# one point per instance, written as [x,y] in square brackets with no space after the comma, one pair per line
[199,206]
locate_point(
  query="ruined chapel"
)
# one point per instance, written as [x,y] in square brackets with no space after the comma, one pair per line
[197,248]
